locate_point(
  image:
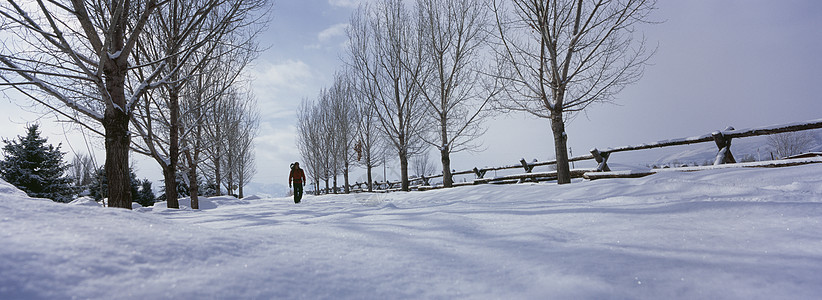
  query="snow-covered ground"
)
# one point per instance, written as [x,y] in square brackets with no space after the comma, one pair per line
[713,234]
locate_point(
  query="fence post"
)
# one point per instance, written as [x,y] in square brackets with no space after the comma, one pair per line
[602,160]
[525,165]
[528,168]
[480,173]
[724,155]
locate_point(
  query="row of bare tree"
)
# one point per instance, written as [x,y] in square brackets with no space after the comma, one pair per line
[413,79]
[157,77]
[327,129]
[429,73]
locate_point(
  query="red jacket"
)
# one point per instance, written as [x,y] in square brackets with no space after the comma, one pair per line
[297,175]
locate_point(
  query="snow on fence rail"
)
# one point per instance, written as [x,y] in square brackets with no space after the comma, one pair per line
[722,139]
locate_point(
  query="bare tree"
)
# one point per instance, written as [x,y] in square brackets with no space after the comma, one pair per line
[217,125]
[202,94]
[241,121]
[309,141]
[323,119]
[343,112]
[82,170]
[561,56]
[790,143]
[244,141]
[77,60]
[457,95]
[327,132]
[422,164]
[386,53]
[74,59]
[369,146]
[201,104]
[192,34]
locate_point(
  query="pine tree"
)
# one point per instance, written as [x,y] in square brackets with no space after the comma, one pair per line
[99,185]
[36,167]
[208,189]
[145,196]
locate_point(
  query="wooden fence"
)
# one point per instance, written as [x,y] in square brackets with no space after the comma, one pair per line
[722,139]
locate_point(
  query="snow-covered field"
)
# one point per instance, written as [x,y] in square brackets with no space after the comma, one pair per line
[715,234]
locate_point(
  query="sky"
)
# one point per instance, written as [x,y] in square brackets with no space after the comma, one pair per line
[721,63]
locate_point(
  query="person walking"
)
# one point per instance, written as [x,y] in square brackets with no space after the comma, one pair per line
[298,177]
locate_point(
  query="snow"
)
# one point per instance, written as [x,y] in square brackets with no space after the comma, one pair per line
[741,233]
[816,122]
[756,164]
[10,191]
[253,197]
[86,201]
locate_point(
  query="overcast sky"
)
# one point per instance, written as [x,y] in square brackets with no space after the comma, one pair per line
[719,63]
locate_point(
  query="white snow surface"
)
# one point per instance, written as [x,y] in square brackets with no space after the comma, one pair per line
[712,234]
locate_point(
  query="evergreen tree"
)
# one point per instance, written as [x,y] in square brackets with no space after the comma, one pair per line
[99,186]
[146,195]
[135,185]
[208,189]
[36,167]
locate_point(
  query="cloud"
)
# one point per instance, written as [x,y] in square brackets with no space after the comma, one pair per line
[277,138]
[279,86]
[336,30]
[344,3]
[290,74]
[275,149]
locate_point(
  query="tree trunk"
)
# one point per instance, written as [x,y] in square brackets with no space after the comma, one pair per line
[240,188]
[370,179]
[193,158]
[335,182]
[193,185]
[229,188]
[560,148]
[117,143]
[240,182]
[173,148]
[171,189]
[446,167]
[445,153]
[115,122]
[218,152]
[345,178]
[404,170]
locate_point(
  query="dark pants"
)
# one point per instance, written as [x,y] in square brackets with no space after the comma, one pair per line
[298,192]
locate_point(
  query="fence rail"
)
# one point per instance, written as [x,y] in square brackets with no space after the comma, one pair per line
[721,138]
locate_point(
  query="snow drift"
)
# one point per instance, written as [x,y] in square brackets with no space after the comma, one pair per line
[723,233]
